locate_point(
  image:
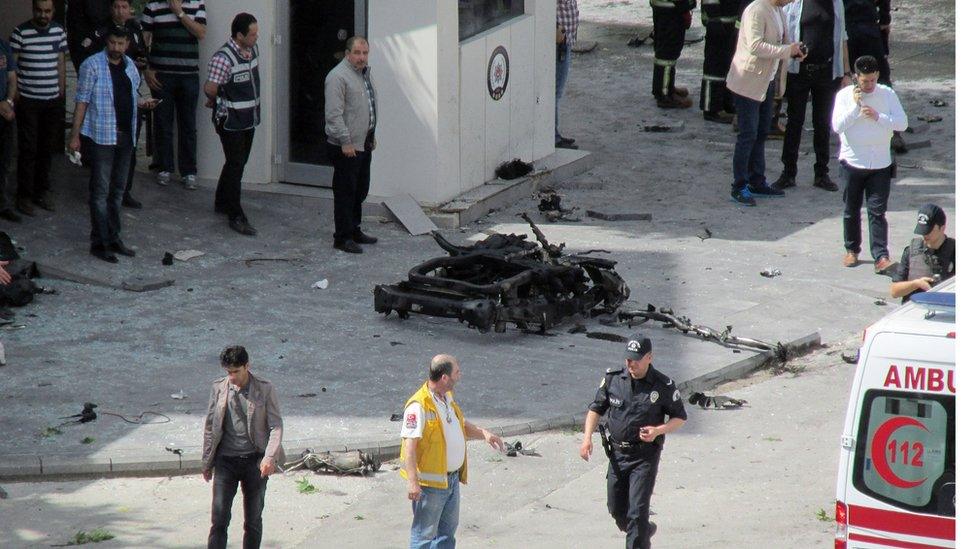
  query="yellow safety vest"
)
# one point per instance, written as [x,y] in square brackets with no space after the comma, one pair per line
[432,447]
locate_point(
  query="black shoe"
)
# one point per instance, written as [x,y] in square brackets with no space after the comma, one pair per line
[241,225]
[765,190]
[104,255]
[564,144]
[784,182]
[743,197]
[363,238]
[6,314]
[45,203]
[10,215]
[130,202]
[567,140]
[24,206]
[717,117]
[651,528]
[122,249]
[347,246]
[824,182]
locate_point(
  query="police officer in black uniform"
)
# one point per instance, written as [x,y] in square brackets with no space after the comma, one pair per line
[929,259]
[721,20]
[671,19]
[641,405]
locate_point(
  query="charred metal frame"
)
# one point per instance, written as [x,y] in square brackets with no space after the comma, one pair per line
[505,279]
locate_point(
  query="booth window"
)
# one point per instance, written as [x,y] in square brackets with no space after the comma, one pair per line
[475,16]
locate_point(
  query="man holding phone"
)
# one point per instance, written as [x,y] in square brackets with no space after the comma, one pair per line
[642,405]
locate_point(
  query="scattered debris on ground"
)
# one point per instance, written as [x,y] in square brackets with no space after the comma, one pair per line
[931,119]
[179,396]
[167,259]
[704,234]
[550,204]
[252,260]
[87,414]
[516,448]
[638,41]
[606,336]
[938,103]
[619,216]
[770,273]
[880,301]
[186,255]
[513,169]
[851,357]
[396,417]
[321,284]
[718,401]
[506,279]
[355,462]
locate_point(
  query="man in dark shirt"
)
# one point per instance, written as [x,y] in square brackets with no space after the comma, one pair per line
[929,259]
[81,20]
[105,113]
[819,25]
[641,405]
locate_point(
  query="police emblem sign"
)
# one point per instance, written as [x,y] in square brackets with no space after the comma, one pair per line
[498,73]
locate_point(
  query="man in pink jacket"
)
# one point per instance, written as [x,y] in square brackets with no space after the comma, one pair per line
[760,52]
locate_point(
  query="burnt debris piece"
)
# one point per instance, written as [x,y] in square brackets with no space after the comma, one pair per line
[506,279]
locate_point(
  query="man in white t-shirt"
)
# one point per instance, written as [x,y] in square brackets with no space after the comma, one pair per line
[434,457]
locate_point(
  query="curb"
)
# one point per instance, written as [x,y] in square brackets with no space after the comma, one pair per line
[24,468]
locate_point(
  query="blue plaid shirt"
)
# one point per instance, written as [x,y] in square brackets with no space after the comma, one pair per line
[95,89]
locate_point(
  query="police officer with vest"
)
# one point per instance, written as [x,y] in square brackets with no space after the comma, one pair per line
[641,406]
[929,259]
[671,19]
[233,90]
[720,19]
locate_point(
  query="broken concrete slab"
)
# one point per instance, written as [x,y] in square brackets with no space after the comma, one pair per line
[136,284]
[408,212]
[913,145]
[186,255]
[584,46]
[619,216]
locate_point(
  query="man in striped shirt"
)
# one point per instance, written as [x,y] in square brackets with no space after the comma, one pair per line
[173,30]
[39,46]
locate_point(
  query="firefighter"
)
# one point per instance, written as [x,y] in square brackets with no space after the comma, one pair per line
[671,19]
[720,19]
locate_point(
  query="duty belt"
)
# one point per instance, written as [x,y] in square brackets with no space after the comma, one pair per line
[814,67]
[630,446]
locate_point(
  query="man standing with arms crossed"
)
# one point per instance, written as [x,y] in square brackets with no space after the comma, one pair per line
[434,455]
[642,405]
[241,445]
[350,129]
[233,90]
[39,46]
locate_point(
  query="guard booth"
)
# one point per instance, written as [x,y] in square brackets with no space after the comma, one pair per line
[461,87]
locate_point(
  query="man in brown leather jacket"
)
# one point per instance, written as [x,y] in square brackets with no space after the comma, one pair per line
[241,445]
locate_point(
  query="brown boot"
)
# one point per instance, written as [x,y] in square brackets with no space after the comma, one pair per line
[673,102]
[882,265]
[850,259]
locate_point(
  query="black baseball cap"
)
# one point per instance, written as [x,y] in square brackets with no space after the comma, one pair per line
[637,346]
[929,216]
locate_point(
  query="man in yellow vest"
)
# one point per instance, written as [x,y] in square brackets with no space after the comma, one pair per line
[434,456]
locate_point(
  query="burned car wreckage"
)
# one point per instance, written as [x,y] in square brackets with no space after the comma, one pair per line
[506,279]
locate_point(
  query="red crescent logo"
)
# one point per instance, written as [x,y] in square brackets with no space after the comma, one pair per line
[878,444]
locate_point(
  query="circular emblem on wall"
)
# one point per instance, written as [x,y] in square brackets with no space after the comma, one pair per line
[497,73]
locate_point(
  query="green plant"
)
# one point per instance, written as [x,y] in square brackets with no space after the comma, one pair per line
[50,432]
[306,487]
[88,440]
[95,536]
[773,439]
[360,517]
[823,516]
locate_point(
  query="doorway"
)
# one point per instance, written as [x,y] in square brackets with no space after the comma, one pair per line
[314,41]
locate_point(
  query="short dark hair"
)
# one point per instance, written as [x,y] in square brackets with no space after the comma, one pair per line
[440,368]
[126,1]
[242,24]
[35,2]
[234,356]
[352,41]
[117,31]
[866,64]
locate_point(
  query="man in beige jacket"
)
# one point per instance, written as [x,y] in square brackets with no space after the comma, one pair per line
[241,445]
[760,52]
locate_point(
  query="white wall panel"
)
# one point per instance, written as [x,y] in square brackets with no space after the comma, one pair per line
[544,12]
[474,94]
[522,87]
[497,112]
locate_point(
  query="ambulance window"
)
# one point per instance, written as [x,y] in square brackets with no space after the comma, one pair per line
[906,450]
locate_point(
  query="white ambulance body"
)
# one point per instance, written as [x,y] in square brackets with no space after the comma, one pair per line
[896,481]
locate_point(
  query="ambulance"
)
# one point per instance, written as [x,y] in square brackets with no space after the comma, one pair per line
[896,484]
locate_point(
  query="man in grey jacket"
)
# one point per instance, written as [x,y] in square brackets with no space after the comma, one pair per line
[241,445]
[350,125]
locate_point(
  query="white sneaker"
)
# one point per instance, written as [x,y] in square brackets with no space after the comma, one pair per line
[162,178]
[190,182]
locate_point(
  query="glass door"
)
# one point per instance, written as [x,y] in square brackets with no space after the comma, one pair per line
[314,41]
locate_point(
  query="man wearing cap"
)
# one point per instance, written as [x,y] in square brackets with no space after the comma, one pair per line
[434,455]
[642,405]
[929,259]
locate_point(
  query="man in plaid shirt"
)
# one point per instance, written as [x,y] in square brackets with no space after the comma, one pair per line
[567,23]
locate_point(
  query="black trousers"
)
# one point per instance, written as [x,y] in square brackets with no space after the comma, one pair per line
[237,149]
[6,154]
[39,125]
[865,39]
[629,489]
[350,186]
[106,184]
[132,161]
[228,472]
[874,187]
[669,39]
[720,39]
[818,81]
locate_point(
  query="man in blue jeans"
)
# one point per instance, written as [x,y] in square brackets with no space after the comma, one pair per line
[567,24]
[105,114]
[434,455]
[173,30]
